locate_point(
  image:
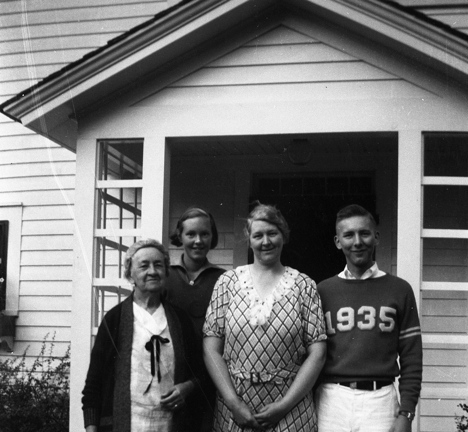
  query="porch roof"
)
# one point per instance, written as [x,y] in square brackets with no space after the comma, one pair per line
[53,106]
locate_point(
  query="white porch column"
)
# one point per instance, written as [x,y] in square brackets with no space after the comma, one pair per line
[82,280]
[409,243]
[409,247]
[156,185]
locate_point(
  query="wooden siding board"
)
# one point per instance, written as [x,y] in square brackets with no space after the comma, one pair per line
[82,13]
[50,5]
[33,169]
[438,324]
[46,288]
[33,348]
[441,357]
[9,128]
[281,35]
[35,258]
[18,60]
[437,424]
[47,273]
[439,307]
[294,92]
[52,212]
[18,142]
[263,55]
[29,75]
[447,374]
[444,295]
[50,154]
[55,44]
[118,25]
[45,197]
[44,319]
[37,334]
[44,304]
[21,184]
[291,73]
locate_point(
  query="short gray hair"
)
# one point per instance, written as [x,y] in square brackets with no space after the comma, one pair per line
[141,244]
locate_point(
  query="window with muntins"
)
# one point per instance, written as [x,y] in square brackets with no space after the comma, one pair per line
[118,219]
[445,208]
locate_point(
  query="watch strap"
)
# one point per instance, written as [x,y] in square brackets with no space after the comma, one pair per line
[407,414]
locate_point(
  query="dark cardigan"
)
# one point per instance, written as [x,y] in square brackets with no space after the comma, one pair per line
[106,395]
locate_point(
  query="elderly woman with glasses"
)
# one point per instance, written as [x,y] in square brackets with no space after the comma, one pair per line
[143,369]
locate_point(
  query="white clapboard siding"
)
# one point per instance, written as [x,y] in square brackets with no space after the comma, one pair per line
[55,242]
[50,154]
[46,288]
[55,212]
[39,38]
[26,334]
[445,381]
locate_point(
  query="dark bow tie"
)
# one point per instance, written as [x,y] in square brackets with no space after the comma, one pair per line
[150,347]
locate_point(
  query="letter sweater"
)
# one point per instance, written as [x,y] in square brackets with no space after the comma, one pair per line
[370,323]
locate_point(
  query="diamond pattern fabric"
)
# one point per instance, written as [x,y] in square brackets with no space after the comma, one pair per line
[264,359]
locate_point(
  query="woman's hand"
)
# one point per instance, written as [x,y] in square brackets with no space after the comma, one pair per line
[242,415]
[269,415]
[174,399]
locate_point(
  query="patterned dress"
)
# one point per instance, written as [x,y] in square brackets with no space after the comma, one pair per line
[265,342]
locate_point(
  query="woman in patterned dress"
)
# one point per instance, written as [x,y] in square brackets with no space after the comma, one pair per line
[264,337]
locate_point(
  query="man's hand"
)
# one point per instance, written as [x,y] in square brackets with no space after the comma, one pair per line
[401,424]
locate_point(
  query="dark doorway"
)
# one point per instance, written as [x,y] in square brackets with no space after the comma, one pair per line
[309,202]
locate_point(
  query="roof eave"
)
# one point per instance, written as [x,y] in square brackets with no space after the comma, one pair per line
[49,106]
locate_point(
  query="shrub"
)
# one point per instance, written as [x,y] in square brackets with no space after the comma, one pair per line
[462,421]
[35,399]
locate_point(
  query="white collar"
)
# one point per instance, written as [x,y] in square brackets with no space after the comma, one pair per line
[371,273]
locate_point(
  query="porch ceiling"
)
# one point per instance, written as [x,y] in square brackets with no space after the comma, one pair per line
[326,144]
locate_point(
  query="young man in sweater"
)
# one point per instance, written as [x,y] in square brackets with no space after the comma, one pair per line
[374,336]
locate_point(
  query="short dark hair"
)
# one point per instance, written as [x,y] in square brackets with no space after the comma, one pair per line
[354,210]
[267,213]
[190,213]
[141,244]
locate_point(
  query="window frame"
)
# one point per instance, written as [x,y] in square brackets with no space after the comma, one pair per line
[13,213]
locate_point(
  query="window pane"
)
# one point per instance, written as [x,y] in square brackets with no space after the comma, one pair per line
[445,260]
[119,208]
[446,155]
[110,255]
[445,207]
[121,160]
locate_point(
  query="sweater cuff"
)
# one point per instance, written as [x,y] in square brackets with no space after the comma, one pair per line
[407,405]
[91,417]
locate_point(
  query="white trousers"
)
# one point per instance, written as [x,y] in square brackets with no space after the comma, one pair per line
[341,409]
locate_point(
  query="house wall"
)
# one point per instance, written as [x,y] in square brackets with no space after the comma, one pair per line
[42,36]
[297,78]
[36,175]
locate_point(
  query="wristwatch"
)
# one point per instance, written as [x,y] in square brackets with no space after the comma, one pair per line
[407,414]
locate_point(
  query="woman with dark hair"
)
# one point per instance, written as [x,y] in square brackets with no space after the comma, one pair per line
[264,337]
[143,367]
[190,285]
